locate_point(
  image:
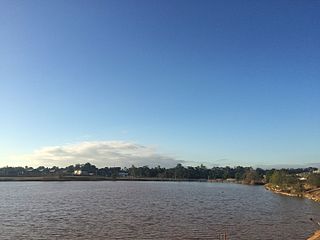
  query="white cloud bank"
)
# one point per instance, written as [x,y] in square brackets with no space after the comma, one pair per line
[99,153]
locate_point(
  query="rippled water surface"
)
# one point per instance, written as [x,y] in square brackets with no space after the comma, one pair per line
[150,210]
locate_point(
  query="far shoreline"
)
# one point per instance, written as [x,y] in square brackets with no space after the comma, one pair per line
[91,178]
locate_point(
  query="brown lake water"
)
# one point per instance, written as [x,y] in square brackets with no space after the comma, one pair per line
[150,210]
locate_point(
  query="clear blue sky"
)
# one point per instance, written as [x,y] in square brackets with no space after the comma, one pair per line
[227,82]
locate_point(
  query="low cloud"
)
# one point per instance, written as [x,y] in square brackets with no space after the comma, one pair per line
[280,166]
[100,153]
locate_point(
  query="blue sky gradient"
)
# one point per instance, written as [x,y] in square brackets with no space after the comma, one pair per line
[227,83]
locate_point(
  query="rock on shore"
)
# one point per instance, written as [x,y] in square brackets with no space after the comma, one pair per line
[315,236]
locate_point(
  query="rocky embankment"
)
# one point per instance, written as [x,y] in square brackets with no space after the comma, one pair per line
[313,194]
[281,190]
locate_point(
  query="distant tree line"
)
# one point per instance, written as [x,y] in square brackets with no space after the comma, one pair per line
[239,173]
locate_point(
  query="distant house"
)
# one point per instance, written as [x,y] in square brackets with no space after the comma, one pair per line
[122,174]
[80,173]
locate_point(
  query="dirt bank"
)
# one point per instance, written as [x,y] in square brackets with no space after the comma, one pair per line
[315,236]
